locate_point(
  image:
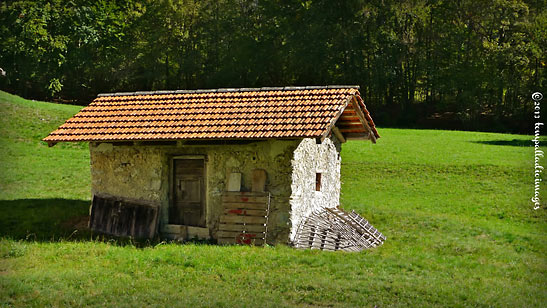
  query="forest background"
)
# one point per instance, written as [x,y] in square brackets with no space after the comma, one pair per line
[464,64]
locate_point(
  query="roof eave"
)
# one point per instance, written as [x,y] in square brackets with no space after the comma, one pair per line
[364,118]
[53,142]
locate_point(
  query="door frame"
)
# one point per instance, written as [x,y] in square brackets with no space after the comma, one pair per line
[172,183]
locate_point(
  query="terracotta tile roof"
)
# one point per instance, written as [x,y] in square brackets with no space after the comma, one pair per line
[261,113]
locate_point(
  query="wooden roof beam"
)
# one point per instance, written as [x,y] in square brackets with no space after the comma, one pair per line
[363,119]
[357,136]
[333,121]
[338,134]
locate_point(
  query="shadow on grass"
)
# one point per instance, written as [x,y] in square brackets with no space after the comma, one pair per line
[43,219]
[514,142]
[51,220]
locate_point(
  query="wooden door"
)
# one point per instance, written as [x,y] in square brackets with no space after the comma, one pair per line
[188,206]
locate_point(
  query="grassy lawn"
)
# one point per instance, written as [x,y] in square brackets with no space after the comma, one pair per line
[455,207]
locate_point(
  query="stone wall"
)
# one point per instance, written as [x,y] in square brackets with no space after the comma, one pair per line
[309,159]
[128,172]
[142,172]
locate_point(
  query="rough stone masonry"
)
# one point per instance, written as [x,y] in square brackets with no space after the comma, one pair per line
[142,173]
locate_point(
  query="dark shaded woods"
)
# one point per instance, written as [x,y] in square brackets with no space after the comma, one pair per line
[463,64]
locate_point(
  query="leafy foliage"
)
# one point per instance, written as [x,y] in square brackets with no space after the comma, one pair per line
[467,64]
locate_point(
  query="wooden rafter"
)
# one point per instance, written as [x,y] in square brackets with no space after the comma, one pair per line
[338,134]
[333,122]
[363,119]
[335,229]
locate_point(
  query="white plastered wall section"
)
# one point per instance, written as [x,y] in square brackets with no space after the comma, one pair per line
[309,159]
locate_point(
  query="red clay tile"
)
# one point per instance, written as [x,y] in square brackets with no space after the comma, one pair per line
[244,114]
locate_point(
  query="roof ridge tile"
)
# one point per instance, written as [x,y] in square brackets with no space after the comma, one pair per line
[222,90]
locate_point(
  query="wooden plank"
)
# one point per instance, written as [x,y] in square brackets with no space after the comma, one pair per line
[123,218]
[246,193]
[197,232]
[244,198]
[372,233]
[357,136]
[306,236]
[335,229]
[189,163]
[352,130]
[246,205]
[363,119]
[323,246]
[243,219]
[187,206]
[306,241]
[333,122]
[189,172]
[348,118]
[338,134]
[170,228]
[350,124]
[258,183]
[234,227]
[236,234]
[245,212]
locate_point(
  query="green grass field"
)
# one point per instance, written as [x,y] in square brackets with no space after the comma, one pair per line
[455,207]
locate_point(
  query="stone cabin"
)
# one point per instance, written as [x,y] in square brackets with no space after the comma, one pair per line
[175,164]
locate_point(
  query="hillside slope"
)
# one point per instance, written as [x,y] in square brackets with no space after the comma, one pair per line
[454,206]
[30,168]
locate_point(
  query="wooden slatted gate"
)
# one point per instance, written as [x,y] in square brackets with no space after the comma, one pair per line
[123,218]
[244,219]
[335,229]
